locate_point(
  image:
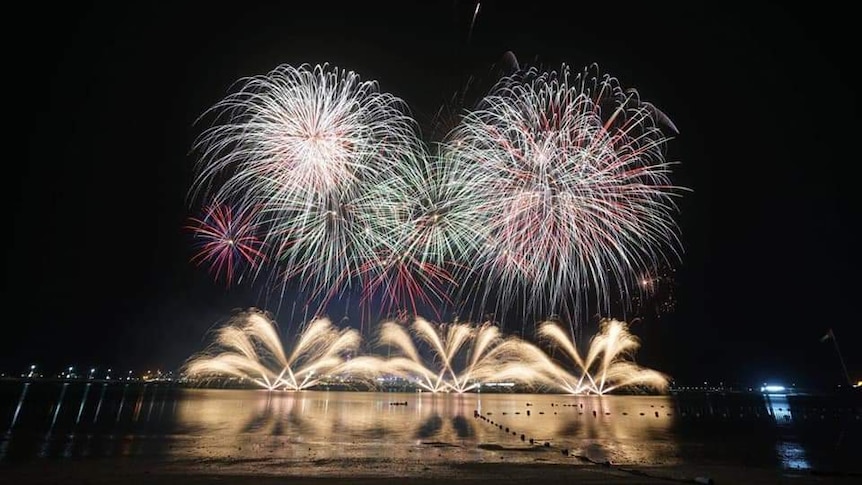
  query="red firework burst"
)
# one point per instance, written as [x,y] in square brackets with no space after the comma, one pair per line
[226,241]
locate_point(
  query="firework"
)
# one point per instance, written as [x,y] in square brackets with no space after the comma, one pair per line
[432,223]
[460,357]
[249,347]
[574,185]
[308,145]
[606,366]
[465,356]
[227,241]
[554,187]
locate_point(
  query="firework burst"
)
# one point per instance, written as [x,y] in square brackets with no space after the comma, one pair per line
[308,145]
[571,173]
[227,241]
[554,187]
[432,225]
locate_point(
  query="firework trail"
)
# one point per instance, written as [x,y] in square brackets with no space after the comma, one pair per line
[226,241]
[574,186]
[473,21]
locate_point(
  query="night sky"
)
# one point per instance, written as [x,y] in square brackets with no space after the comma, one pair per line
[104,100]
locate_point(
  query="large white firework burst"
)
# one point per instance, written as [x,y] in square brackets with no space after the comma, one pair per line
[571,174]
[308,146]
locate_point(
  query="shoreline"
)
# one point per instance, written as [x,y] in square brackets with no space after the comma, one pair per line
[139,470]
[136,471]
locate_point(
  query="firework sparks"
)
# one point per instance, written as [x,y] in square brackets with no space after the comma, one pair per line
[554,187]
[308,145]
[249,347]
[465,356]
[575,186]
[432,227]
[606,366]
[227,241]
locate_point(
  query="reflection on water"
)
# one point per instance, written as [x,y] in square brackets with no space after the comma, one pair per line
[20,403]
[278,428]
[400,421]
[778,406]
[789,451]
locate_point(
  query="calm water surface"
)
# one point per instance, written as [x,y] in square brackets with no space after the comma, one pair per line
[42,420]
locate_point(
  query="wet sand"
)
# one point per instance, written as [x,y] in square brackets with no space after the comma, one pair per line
[133,471]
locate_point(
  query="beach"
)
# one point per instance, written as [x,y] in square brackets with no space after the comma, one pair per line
[149,434]
[336,472]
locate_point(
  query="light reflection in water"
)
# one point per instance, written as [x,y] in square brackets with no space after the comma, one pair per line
[83,401]
[122,403]
[354,423]
[140,402]
[58,407]
[790,452]
[237,426]
[18,406]
[101,400]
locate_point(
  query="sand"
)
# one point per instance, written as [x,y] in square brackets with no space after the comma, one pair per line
[132,471]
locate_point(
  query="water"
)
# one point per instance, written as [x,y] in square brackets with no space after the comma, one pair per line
[328,429]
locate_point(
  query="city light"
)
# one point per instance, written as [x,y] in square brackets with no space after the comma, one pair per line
[771,388]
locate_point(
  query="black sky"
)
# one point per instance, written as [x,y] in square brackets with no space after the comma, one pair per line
[103,100]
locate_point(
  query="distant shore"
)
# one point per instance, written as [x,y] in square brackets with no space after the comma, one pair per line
[406,387]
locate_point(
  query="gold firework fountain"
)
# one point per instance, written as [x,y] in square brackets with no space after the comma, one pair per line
[465,356]
[607,366]
[249,347]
